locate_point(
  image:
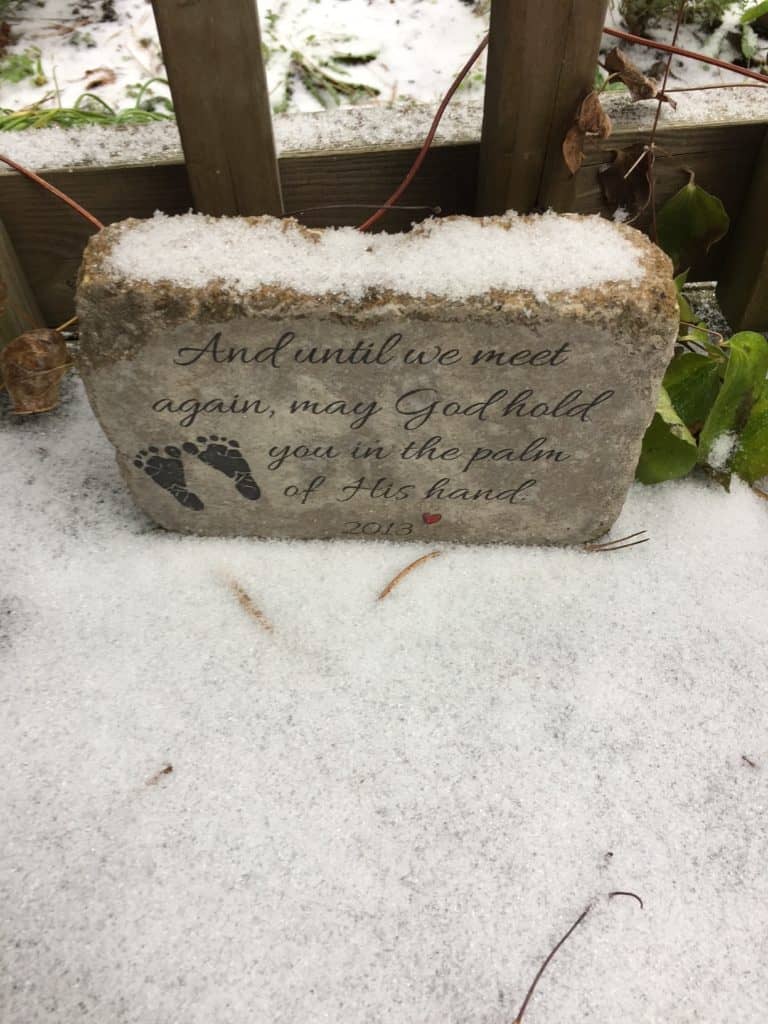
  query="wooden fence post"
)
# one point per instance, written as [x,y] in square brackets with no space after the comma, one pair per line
[18,308]
[542,56]
[743,286]
[215,67]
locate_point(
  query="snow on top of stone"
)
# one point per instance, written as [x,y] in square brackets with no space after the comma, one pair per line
[454,258]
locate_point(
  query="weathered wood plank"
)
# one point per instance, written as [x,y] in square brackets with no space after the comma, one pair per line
[542,56]
[215,67]
[18,308]
[743,285]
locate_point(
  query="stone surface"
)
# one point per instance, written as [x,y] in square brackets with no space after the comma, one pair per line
[498,417]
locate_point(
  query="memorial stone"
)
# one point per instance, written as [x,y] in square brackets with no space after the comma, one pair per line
[474,380]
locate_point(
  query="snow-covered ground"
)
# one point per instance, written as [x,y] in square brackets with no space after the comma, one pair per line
[416,47]
[398,50]
[377,810]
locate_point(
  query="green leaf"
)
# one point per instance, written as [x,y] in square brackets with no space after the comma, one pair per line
[683,305]
[743,384]
[669,450]
[750,42]
[690,223]
[754,12]
[692,383]
[751,460]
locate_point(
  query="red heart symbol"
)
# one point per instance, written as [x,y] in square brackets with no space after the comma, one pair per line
[431,518]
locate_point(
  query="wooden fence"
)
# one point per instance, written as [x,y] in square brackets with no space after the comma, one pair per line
[542,56]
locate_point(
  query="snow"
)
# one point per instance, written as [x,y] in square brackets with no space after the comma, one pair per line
[409,70]
[722,42]
[452,258]
[352,129]
[346,128]
[721,450]
[379,811]
[407,65]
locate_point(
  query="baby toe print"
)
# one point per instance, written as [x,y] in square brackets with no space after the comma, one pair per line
[167,472]
[224,455]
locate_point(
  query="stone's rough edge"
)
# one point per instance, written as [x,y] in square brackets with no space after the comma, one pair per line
[279,302]
[652,300]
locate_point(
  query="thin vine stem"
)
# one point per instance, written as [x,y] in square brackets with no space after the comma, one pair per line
[657,115]
[421,156]
[53,190]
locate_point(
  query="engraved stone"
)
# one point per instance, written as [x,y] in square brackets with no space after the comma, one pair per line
[473,380]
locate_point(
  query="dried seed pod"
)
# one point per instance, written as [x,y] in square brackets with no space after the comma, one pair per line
[31,368]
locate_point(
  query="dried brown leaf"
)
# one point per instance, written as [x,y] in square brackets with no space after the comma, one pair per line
[99,76]
[590,119]
[640,87]
[626,181]
[573,148]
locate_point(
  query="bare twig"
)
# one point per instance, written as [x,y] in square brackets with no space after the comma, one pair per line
[721,85]
[53,190]
[618,544]
[154,779]
[245,601]
[707,330]
[376,217]
[404,572]
[760,493]
[632,894]
[519,1018]
[67,323]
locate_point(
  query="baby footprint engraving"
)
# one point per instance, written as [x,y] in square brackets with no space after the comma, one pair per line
[224,455]
[167,472]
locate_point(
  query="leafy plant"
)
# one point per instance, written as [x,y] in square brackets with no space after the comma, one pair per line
[753,13]
[639,15]
[712,411]
[322,66]
[15,67]
[90,109]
